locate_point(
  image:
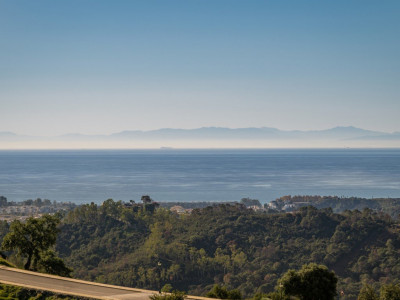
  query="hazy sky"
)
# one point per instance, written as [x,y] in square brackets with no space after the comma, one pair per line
[107,66]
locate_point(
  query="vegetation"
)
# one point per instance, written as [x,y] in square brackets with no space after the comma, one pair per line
[312,282]
[33,240]
[175,295]
[202,204]
[10,211]
[228,246]
[389,206]
[10,292]
[4,228]
[223,293]
[390,292]
[367,293]
[38,202]
[6,263]
[387,292]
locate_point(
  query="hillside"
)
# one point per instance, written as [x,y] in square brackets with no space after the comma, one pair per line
[142,246]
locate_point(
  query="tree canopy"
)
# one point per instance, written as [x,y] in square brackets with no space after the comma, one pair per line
[33,240]
[367,292]
[311,282]
[227,244]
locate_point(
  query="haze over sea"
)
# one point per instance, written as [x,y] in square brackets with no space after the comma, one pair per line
[198,175]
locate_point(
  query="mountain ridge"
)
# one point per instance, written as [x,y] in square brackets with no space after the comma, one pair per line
[345,130]
[205,137]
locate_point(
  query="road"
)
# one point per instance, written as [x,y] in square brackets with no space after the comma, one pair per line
[74,287]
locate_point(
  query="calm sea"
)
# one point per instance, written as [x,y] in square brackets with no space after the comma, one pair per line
[197,175]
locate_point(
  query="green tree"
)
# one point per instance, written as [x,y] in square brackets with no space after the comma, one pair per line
[222,293]
[175,295]
[311,282]
[390,292]
[167,288]
[367,293]
[250,202]
[51,264]
[273,296]
[32,238]
[3,201]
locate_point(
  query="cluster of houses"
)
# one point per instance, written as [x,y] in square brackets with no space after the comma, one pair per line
[22,212]
[17,212]
[181,210]
[10,211]
[25,210]
[252,204]
[286,205]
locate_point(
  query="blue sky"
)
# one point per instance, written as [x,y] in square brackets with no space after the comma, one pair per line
[107,66]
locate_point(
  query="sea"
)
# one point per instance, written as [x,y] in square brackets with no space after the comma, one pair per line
[84,176]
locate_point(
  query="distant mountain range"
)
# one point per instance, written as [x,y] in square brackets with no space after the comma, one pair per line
[343,133]
[217,134]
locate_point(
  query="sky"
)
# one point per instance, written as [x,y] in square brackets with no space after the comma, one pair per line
[99,67]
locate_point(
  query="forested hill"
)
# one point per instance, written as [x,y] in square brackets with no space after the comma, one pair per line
[145,246]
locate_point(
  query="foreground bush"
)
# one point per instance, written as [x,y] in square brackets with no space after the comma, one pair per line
[10,292]
[175,295]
